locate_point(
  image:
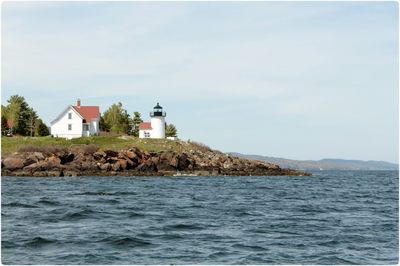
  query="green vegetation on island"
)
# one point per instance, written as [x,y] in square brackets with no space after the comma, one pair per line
[17,143]
[18,118]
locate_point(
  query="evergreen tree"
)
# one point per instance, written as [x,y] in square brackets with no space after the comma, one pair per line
[102,125]
[117,119]
[136,120]
[170,131]
[4,125]
[41,128]
[31,121]
[20,116]
[18,113]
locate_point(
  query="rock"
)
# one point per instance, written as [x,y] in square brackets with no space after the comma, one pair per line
[130,154]
[90,166]
[39,156]
[30,159]
[99,155]
[111,153]
[183,161]
[12,163]
[116,166]
[123,164]
[70,173]
[66,158]
[53,162]
[147,166]
[105,167]
[131,164]
[112,159]
[227,164]
[36,166]
[54,173]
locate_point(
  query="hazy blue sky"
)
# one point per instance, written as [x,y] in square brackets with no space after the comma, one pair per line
[298,80]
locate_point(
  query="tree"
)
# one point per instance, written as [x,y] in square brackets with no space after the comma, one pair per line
[136,120]
[20,117]
[170,131]
[102,125]
[4,125]
[41,128]
[17,113]
[116,119]
[31,121]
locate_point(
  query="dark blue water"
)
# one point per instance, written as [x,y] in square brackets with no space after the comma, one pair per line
[329,218]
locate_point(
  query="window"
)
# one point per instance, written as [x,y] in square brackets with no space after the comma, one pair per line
[147,134]
[69,115]
[85,127]
[69,127]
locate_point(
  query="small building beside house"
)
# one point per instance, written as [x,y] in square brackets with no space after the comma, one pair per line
[154,129]
[76,121]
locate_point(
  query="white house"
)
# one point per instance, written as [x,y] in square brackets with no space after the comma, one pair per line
[77,121]
[154,129]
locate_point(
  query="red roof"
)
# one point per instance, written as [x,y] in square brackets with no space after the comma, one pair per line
[145,125]
[88,113]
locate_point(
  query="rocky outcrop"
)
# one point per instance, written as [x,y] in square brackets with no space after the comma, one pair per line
[135,162]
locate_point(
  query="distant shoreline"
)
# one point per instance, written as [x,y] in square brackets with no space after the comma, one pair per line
[324,164]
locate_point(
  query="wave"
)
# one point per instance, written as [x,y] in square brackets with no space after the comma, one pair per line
[125,241]
[184,227]
[135,214]
[333,259]
[105,193]
[110,201]
[47,201]
[19,205]
[71,216]
[94,193]
[39,241]
[8,244]
[250,247]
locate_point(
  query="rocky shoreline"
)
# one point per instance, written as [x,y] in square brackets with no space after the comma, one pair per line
[91,161]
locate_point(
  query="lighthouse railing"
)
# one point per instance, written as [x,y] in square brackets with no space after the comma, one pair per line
[158,114]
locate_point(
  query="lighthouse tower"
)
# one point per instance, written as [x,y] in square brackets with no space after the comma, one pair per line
[157,122]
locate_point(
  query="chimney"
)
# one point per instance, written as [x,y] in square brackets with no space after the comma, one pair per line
[78,103]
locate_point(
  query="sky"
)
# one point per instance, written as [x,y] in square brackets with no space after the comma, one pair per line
[298,80]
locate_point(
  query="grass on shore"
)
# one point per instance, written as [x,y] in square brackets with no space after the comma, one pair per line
[13,144]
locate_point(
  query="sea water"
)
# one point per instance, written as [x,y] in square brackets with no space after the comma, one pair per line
[331,217]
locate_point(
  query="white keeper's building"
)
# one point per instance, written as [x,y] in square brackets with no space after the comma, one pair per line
[76,121]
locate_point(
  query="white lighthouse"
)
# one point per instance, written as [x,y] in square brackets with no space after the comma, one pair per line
[154,129]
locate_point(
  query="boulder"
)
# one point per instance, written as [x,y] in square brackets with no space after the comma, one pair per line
[53,162]
[123,164]
[112,159]
[66,158]
[29,159]
[131,164]
[99,155]
[12,163]
[39,156]
[116,166]
[39,166]
[147,166]
[105,167]
[90,166]
[111,153]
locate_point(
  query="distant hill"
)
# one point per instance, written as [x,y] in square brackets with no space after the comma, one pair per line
[324,164]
